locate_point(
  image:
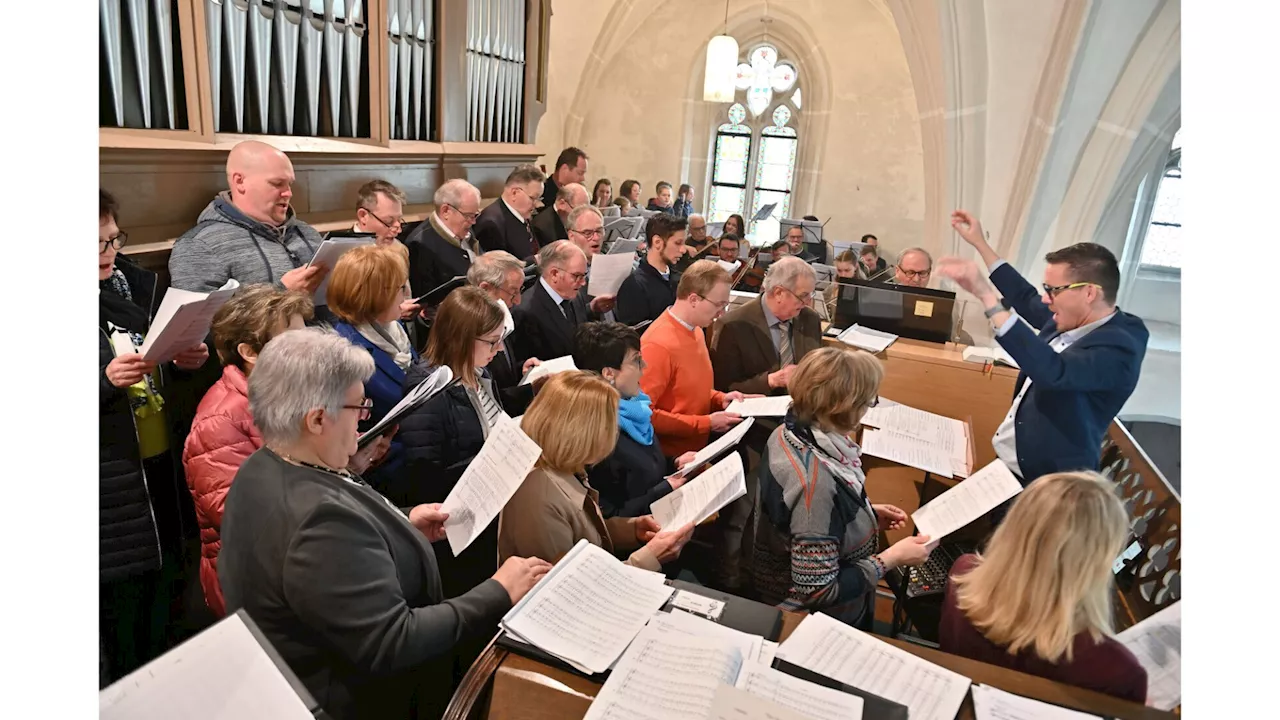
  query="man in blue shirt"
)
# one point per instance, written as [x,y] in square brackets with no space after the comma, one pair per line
[1078,370]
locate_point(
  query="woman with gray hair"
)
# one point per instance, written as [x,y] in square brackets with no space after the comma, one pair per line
[343,583]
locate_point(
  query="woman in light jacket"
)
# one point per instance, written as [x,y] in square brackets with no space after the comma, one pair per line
[574,419]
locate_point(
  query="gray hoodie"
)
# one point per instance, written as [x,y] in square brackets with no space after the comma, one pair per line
[226,244]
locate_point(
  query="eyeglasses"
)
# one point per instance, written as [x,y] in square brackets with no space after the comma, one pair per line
[577,277]
[493,344]
[116,242]
[365,407]
[388,225]
[805,298]
[720,306]
[914,273]
[537,199]
[471,217]
[1054,290]
[511,296]
[592,233]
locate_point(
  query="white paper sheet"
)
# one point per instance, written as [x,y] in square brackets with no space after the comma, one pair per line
[664,676]
[430,385]
[907,450]
[183,321]
[550,367]
[327,254]
[587,609]
[993,704]
[829,647]
[730,703]
[724,442]
[947,434]
[220,674]
[1157,643]
[683,624]
[730,267]
[488,483]
[607,274]
[967,501]
[874,341]
[702,496]
[774,406]
[768,651]
[809,699]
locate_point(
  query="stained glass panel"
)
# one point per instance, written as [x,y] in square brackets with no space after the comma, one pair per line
[732,153]
[766,231]
[781,115]
[726,201]
[777,151]
[744,76]
[758,99]
[764,55]
[783,77]
[737,113]
[796,99]
[1163,243]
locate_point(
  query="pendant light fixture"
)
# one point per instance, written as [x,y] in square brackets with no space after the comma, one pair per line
[722,64]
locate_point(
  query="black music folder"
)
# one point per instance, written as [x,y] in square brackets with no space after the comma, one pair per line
[748,616]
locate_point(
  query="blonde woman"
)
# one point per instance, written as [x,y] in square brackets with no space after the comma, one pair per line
[817,532]
[1039,599]
[574,419]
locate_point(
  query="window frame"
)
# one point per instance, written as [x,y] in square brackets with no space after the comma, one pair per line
[1172,165]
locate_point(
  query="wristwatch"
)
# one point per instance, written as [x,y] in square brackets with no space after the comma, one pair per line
[999,307]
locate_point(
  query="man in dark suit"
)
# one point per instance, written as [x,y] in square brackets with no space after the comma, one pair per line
[504,225]
[500,275]
[549,227]
[571,167]
[441,248]
[547,320]
[1077,371]
[651,288]
[795,243]
[759,344]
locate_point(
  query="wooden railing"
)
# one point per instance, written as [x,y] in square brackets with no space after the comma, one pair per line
[1155,520]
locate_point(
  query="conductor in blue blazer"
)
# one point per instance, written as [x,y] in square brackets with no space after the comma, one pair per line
[1080,355]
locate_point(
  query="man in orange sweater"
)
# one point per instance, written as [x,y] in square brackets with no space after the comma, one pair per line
[686,406]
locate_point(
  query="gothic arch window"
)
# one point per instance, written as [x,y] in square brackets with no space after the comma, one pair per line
[754,153]
[1162,247]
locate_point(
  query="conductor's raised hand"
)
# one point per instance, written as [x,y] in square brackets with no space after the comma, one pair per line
[518,576]
[968,227]
[429,520]
[128,369]
[964,273]
[666,545]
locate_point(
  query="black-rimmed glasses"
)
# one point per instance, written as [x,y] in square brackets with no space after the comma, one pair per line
[116,242]
[914,273]
[365,407]
[388,225]
[471,217]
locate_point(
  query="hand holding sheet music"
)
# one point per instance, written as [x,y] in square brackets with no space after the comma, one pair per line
[607,274]
[588,608]
[702,496]
[550,367]
[327,255]
[829,647]
[432,384]
[774,406]
[712,451]
[489,481]
[183,321]
[967,501]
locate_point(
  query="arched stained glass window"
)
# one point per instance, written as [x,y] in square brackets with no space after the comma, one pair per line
[1162,247]
[754,162]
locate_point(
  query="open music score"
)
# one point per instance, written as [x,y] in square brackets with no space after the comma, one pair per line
[1157,643]
[907,450]
[488,483]
[183,321]
[588,608]
[829,647]
[703,496]
[774,406]
[933,438]
[966,502]
[810,700]
[993,704]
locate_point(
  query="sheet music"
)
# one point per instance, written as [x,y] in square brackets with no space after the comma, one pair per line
[702,496]
[183,321]
[768,651]
[773,406]
[429,386]
[967,501]
[867,339]
[1157,643]
[665,676]
[730,703]
[829,647]
[221,674]
[730,267]
[907,450]
[587,609]
[683,624]
[327,254]
[948,434]
[607,274]
[809,699]
[724,442]
[550,367]
[488,483]
[993,704]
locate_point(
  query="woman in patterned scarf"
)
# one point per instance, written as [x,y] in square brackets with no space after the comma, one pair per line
[138,494]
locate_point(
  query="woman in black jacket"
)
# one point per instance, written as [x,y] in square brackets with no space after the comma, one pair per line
[138,520]
[635,473]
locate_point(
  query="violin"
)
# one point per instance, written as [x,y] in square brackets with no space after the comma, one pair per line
[750,277]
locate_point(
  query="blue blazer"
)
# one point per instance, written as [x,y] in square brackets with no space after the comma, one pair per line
[384,387]
[1074,394]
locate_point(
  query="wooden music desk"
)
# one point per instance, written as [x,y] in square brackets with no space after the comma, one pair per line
[506,686]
